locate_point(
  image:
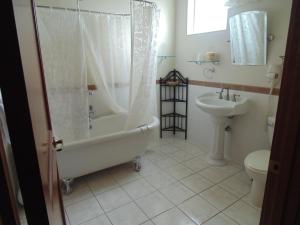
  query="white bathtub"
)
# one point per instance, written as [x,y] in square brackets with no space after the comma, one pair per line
[108,146]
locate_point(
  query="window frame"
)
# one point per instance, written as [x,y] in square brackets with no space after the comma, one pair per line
[191,20]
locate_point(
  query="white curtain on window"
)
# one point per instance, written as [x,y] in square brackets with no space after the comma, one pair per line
[145,20]
[65,72]
[107,41]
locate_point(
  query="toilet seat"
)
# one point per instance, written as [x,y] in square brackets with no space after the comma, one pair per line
[258,161]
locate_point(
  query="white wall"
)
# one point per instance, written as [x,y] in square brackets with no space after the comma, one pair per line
[167,22]
[248,131]
[187,47]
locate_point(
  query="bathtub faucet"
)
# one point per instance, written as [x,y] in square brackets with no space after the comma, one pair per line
[91,115]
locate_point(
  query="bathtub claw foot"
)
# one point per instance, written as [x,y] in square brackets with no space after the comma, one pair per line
[137,164]
[67,185]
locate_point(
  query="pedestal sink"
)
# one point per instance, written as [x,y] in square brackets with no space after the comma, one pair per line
[219,110]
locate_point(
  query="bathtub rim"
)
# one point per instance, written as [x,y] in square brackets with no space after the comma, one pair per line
[96,140]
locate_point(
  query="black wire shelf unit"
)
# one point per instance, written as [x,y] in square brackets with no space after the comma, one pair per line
[174,89]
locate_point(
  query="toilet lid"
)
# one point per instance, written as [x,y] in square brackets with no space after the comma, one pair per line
[258,161]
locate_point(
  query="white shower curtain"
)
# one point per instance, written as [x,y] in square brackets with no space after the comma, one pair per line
[118,53]
[142,101]
[65,72]
[107,42]
[123,61]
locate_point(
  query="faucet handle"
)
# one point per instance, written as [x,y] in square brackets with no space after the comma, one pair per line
[234,97]
[227,94]
[220,93]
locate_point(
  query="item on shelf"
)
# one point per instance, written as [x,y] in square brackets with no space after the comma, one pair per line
[174,90]
[211,56]
[172,83]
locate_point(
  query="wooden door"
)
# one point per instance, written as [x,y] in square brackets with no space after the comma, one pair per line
[26,108]
[282,197]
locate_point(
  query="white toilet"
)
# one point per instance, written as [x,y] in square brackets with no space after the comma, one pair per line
[256,165]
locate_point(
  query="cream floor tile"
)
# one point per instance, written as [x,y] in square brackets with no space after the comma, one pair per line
[148,168]
[236,185]
[128,214]
[177,141]
[182,156]
[124,174]
[148,223]
[113,199]
[138,188]
[196,164]
[172,217]
[160,180]
[198,151]
[167,149]
[243,176]
[248,200]
[101,182]
[218,197]
[155,156]
[154,204]
[101,220]
[198,209]
[243,213]
[166,163]
[217,174]
[220,219]
[197,183]
[192,149]
[80,192]
[177,193]
[83,211]
[179,171]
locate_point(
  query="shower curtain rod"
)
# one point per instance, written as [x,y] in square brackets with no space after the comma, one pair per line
[92,11]
[144,1]
[82,10]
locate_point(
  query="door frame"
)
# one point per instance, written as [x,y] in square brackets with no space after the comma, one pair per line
[282,196]
[14,94]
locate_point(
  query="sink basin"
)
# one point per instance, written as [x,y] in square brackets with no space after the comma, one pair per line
[220,109]
[210,103]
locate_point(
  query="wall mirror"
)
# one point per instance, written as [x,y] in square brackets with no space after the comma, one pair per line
[248,38]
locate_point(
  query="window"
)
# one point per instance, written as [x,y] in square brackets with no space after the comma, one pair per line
[206,16]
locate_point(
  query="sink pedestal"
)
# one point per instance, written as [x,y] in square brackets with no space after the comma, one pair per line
[220,110]
[216,155]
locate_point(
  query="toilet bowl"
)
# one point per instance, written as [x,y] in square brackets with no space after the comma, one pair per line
[256,166]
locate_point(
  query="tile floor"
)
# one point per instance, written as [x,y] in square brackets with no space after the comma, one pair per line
[174,187]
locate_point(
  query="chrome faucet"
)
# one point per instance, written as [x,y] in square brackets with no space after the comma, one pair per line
[227,94]
[91,115]
[234,97]
[221,93]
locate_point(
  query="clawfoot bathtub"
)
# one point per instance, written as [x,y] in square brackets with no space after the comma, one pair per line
[109,145]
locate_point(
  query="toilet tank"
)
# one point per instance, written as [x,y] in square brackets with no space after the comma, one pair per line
[271,125]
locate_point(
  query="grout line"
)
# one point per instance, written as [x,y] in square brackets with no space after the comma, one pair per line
[133,201]
[214,184]
[66,216]
[158,189]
